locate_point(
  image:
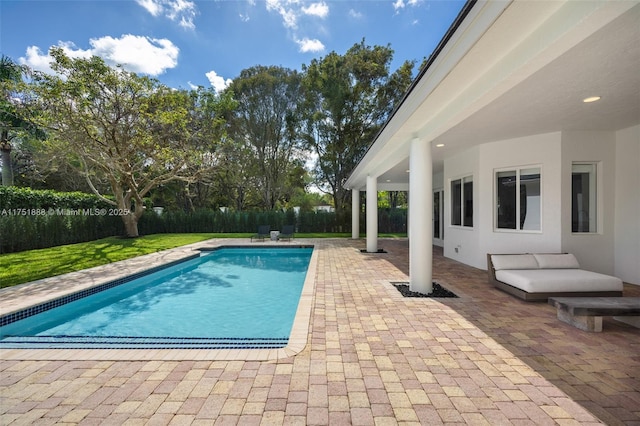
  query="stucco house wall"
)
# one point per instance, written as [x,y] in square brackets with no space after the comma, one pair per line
[613,249]
[462,243]
[474,243]
[595,251]
[627,205]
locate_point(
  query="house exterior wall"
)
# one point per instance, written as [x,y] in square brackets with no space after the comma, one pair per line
[613,249]
[474,244]
[462,243]
[532,151]
[595,251]
[438,181]
[627,205]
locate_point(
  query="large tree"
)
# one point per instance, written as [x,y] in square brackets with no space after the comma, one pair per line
[265,125]
[126,130]
[235,180]
[13,124]
[348,98]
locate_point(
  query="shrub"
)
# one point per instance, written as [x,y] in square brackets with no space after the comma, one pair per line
[23,232]
[32,219]
[12,198]
[205,220]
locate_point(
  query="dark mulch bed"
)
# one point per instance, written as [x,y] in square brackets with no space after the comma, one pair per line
[438,291]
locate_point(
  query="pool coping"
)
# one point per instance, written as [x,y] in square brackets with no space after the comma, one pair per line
[27,295]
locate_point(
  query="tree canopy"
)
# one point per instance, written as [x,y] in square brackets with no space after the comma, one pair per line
[13,124]
[250,147]
[265,125]
[348,98]
[126,130]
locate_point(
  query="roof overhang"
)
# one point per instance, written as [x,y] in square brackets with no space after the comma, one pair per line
[513,69]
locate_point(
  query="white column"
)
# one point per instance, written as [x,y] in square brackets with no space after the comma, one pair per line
[408,215]
[355,214]
[421,214]
[372,214]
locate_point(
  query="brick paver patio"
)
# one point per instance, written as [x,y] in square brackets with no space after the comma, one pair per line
[373,357]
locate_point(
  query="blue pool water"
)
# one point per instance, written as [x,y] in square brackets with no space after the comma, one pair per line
[227,295]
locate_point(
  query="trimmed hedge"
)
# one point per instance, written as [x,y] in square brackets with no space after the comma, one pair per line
[32,219]
[12,198]
[389,221]
[214,221]
[19,233]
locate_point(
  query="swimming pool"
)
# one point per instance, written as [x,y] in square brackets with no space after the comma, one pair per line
[231,297]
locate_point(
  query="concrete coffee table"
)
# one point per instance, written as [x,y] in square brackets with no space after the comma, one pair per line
[586,313]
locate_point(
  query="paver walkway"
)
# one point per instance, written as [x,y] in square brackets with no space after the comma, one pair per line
[373,357]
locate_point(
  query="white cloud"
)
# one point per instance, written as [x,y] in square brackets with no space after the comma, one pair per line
[36,60]
[321,10]
[181,11]
[307,45]
[290,11]
[289,16]
[152,6]
[245,16]
[39,61]
[400,4]
[355,14]
[135,53]
[218,82]
[289,19]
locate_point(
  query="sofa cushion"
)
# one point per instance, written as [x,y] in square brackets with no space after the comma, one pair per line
[513,261]
[559,280]
[557,261]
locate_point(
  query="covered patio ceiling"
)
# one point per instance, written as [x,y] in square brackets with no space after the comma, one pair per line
[512,70]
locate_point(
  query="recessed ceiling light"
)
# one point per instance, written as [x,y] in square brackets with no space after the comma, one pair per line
[388,180]
[591,99]
[440,145]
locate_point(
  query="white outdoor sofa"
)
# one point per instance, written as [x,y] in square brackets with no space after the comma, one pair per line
[536,277]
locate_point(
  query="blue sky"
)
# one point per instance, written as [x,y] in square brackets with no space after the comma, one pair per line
[188,43]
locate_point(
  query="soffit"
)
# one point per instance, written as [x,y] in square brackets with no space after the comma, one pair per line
[544,95]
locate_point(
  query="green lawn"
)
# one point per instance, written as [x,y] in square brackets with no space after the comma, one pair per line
[59,260]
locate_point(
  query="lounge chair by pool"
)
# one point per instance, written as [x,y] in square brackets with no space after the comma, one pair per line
[287,232]
[264,231]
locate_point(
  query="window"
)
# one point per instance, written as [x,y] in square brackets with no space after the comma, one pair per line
[438,215]
[462,202]
[518,200]
[583,197]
